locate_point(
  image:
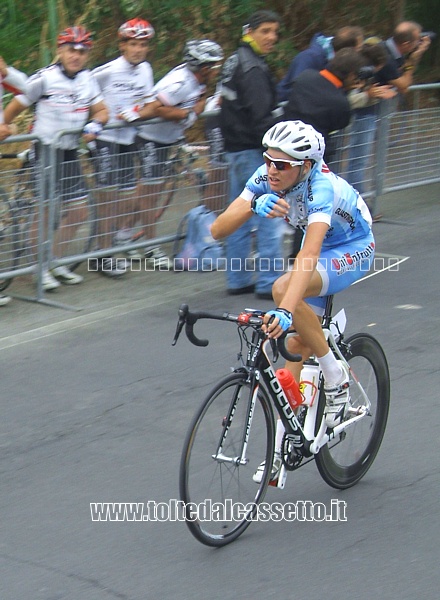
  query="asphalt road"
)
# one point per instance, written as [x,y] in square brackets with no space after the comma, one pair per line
[95,404]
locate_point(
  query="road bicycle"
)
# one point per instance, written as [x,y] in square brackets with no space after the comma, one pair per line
[19,220]
[180,167]
[17,214]
[184,169]
[233,431]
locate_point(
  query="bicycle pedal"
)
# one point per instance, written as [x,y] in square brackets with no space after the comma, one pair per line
[280,481]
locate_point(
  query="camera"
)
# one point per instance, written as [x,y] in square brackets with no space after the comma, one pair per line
[366,73]
[431,34]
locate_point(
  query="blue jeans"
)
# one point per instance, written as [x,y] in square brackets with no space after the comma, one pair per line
[267,266]
[361,149]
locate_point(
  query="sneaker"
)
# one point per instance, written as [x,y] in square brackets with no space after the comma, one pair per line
[66,275]
[276,466]
[157,258]
[135,254]
[337,399]
[123,236]
[112,267]
[49,282]
[4,300]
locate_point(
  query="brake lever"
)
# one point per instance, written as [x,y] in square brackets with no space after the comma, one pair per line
[183,311]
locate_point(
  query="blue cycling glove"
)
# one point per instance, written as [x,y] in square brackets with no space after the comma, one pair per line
[284,317]
[264,204]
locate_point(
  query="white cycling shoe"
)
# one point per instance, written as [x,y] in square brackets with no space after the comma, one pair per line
[276,466]
[337,399]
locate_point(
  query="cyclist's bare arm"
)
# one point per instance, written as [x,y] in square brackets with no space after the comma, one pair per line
[99,112]
[149,110]
[237,213]
[12,110]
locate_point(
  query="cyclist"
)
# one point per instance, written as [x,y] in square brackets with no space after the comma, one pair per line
[296,185]
[13,81]
[178,98]
[66,96]
[124,83]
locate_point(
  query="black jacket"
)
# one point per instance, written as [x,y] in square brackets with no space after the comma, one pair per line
[319,102]
[248,98]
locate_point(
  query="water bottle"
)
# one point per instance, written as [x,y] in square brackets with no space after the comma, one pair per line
[290,387]
[309,382]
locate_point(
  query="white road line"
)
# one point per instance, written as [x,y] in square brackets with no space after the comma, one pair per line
[399,260]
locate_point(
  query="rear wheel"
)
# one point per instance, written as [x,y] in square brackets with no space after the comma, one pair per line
[9,256]
[217,488]
[344,461]
[80,236]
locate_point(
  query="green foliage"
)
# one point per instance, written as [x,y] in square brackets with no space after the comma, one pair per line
[28,30]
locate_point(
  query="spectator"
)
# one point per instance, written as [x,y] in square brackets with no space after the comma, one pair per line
[405,49]
[317,55]
[248,99]
[364,102]
[66,96]
[124,83]
[178,98]
[319,98]
[13,81]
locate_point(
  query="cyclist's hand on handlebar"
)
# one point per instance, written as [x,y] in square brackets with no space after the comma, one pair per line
[270,205]
[276,322]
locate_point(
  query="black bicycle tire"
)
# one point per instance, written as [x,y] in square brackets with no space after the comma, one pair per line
[4,200]
[194,526]
[342,477]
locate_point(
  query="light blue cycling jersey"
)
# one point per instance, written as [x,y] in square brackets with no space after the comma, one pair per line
[323,197]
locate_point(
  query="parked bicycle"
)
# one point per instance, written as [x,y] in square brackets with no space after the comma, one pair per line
[17,214]
[233,431]
[19,226]
[183,168]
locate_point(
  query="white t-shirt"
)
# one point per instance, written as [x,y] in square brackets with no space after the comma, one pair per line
[13,82]
[179,88]
[123,85]
[62,102]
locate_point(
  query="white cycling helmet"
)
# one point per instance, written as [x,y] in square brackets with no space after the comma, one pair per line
[297,139]
[201,52]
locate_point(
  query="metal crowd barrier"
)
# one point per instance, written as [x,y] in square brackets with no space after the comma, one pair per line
[110,217]
[94,206]
[405,148]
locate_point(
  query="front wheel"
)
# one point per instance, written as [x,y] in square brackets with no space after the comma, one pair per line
[345,460]
[230,435]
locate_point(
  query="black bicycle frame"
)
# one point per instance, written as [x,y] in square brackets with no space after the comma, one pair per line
[259,362]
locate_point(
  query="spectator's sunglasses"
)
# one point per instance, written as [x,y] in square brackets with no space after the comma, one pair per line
[280,164]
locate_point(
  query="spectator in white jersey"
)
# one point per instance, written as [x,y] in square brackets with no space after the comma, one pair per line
[124,83]
[13,81]
[66,96]
[178,98]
